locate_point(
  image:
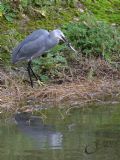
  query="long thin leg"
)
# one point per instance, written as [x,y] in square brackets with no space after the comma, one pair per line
[29,73]
[30,70]
[29,63]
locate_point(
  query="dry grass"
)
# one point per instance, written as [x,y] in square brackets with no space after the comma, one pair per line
[14,93]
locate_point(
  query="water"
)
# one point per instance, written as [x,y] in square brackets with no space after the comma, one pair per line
[92,133]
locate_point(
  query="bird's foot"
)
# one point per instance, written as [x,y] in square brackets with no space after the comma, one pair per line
[40,83]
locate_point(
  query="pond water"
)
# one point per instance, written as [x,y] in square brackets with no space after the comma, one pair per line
[92,133]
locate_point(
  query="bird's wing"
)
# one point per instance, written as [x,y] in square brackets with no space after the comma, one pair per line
[38,34]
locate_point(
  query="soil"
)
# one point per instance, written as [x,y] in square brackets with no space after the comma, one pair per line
[16,94]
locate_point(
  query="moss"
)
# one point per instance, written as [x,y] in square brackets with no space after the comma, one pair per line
[105,10]
[54,18]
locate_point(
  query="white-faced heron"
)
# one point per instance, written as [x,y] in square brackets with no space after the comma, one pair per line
[35,45]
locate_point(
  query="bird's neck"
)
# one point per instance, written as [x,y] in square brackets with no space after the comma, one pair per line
[52,41]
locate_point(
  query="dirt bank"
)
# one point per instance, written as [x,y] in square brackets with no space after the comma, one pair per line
[15,94]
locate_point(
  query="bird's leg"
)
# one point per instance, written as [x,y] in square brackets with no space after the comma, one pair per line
[29,73]
[36,77]
[33,71]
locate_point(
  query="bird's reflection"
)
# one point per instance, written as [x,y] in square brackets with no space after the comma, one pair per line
[45,136]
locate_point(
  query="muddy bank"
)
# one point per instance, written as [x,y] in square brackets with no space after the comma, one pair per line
[15,94]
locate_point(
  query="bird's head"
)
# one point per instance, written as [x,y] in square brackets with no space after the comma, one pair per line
[59,36]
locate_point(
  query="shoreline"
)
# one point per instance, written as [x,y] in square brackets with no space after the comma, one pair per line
[16,95]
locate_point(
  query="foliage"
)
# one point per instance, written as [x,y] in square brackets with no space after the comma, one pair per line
[51,64]
[8,40]
[41,3]
[104,10]
[7,12]
[108,10]
[13,9]
[89,36]
[94,38]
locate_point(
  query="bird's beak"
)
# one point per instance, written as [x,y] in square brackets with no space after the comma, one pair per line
[63,39]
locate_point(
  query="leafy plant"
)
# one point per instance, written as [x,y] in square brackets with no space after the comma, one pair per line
[94,38]
[7,12]
[51,64]
[8,40]
[108,10]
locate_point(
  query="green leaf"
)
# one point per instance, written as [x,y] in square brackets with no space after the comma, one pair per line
[9,18]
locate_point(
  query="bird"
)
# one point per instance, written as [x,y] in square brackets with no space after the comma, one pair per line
[32,126]
[35,45]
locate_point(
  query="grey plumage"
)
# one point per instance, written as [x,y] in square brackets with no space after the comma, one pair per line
[36,44]
[33,46]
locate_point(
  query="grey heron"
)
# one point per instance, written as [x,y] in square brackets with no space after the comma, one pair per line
[35,45]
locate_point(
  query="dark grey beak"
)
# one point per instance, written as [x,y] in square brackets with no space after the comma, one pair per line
[64,39]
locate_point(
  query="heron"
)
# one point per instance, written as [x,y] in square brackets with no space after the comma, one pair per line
[35,45]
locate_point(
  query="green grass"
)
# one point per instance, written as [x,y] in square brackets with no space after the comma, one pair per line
[91,32]
[108,10]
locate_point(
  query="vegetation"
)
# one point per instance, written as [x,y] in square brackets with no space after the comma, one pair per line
[94,38]
[16,94]
[90,37]
[108,10]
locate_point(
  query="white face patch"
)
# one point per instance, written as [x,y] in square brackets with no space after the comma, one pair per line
[59,35]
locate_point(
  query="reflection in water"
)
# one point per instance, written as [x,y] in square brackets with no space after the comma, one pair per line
[44,135]
[89,134]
